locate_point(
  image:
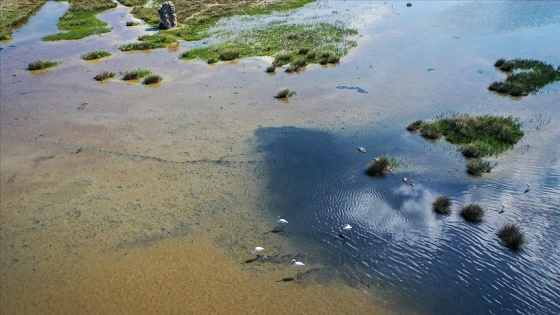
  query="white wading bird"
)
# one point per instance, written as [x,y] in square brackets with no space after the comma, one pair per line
[297,264]
[281,222]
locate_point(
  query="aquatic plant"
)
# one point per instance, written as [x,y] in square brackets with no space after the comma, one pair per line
[525,76]
[430,131]
[135,74]
[281,59]
[414,126]
[409,4]
[139,46]
[477,167]
[270,69]
[97,54]
[285,93]
[80,20]
[511,236]
[39,64]
[296,65]
[212,60]
[442,205]
[16,13]
[104,75]
[472,213]
[149,42]
[152,79]
[381,166]
[131,23]
[229,54]
[132,3]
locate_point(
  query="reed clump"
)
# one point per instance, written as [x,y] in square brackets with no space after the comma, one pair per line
[152,79]
[380,166]
[525,76]
[40,64]
[135,74]
[101,76]
[442,205]
[285,93]
[472,213]
[511,236]
[96,54]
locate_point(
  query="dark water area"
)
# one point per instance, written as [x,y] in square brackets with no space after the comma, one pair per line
[428,263]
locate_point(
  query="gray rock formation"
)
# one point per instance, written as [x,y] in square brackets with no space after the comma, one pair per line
[167,15]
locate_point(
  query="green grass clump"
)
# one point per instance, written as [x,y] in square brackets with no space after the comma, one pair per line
[285,93]
[511,236]
[430,132]
[152,79]
[149,42]
[80,20]
[229,54]
[477,167]
[297,65]
[414,126]
[97,54]
[135,74]
[442,205]
[472,213]
[381,166]
[104,75]
[270,69]
[131,23]
[525,76]
[14,14]
[39,64]
[286,42]
[132,3]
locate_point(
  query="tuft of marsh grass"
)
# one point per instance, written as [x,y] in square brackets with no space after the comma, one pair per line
[476,167]
[135,74]
[430,131]
[97,54]
[285,93]
[414,126]
[229,54]
[104,75]
[511,236]
[152,79]
[472,213]
[39,64]
[381,166]
[131,23]
[270,69]
[525,76]
[442,205]
[149,42]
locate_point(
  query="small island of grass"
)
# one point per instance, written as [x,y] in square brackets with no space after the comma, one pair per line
[149,42]
[525,76]
[380,166]
[511,236]
[442,205]
[472,213]
[135,74]
[97,54]
[102,76]
[40,64]
[476,136]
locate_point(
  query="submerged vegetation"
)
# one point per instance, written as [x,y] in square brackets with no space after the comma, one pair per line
[442,205]
[80,20]
[472,213]
[476,136]
[288,43]
[39,64]
[525,76]
[97,54]
[104,75]
[511,236]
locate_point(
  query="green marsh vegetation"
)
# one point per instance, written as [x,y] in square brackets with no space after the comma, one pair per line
[40,64]
[15,13]
[132,3]
[525,76]
[284,93]
[97,54]
[80,20]
[472,213]
[131,23]
[475,136]
[288,43]
[149,42]
[196,17]
[101,76]
[152,79]
[511,236]
[442,205]
[135,74]
[380,166]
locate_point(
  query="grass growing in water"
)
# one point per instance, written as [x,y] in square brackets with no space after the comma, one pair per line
[152,79]
[511,236]
[132,3]
[135,74]
[442,205]
[381,166]
[477,167]
[472,213]
[528,76]
[149,42]
[286,43]
[414,126]
[97,54]
[39,64]
[14,14]
[80,20]
[285,93]
[104,75]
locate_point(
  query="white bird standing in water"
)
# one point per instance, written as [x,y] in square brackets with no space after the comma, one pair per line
[528,188]
[503,208]
[281,222]
[347,228]
[257,251]
[297,264]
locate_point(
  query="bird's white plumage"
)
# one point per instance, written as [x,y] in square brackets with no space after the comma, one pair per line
[296,263]
[257,250]
[347,227]
[281,221]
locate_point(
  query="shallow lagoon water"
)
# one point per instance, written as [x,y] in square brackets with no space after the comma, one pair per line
[211,149]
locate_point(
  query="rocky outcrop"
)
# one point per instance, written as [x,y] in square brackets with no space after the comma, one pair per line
[167,16]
